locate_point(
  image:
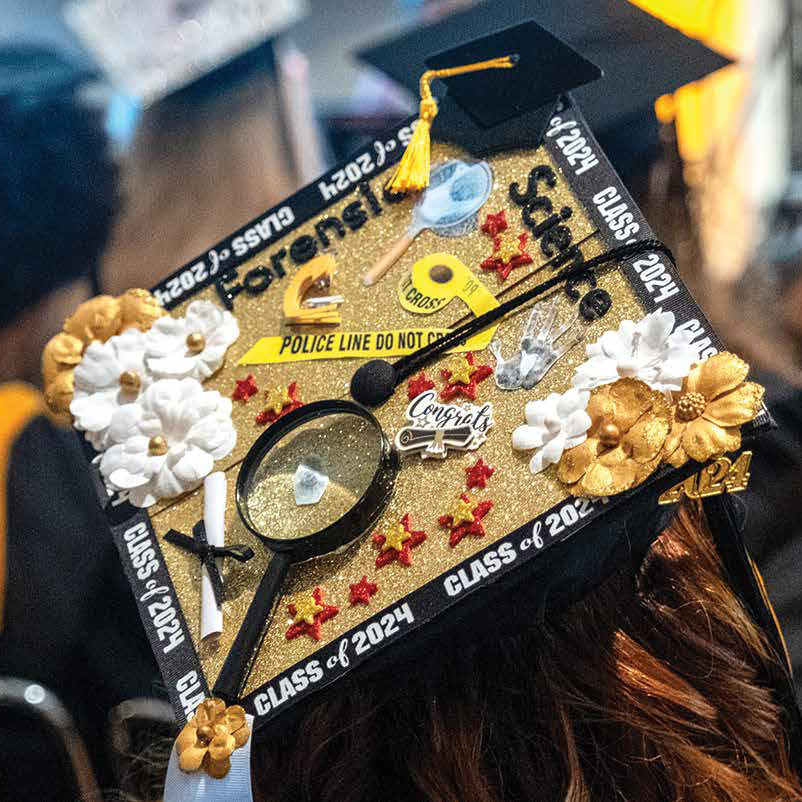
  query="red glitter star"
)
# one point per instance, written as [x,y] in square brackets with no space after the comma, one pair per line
[313,630]
[478,373]
[478,474]
[506,254]
[245,389]
[289,402]
[474,528]
[495,223]
[362,591]
[420,384]
[398,543]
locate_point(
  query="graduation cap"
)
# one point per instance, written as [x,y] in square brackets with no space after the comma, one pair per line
[641,57]
[390,561]
[488,110]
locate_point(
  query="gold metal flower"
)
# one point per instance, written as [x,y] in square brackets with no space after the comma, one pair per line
[140,309]
[210,737]
[96,319]
[713,403]
[629,424]
[62,352]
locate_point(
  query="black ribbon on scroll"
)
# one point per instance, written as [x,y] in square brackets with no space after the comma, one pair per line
[199,545]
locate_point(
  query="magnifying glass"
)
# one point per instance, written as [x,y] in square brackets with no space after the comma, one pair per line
[311,484]
[456,192]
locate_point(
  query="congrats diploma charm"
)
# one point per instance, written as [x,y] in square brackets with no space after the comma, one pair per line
[436,427]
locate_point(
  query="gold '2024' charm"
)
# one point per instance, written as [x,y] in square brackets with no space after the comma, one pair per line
[721,476]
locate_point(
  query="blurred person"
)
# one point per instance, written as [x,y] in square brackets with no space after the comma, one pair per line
[203,162]
[67,618]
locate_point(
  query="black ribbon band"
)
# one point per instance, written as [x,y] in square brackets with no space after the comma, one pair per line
[198,544]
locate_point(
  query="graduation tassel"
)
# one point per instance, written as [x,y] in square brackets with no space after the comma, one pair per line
[412,173]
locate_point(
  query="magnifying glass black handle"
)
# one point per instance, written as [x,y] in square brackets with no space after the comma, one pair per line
[235,669]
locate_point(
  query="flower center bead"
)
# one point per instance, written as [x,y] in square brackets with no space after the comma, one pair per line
[196,342]
[157,446]
[690,406]
[130,381]
[205,734]
[609,435]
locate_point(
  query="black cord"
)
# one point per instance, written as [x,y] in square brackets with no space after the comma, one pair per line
[409,364]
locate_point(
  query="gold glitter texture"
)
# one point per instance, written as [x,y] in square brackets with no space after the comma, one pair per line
[421,485]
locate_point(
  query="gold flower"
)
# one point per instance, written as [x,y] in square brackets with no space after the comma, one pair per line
[99,318]
[62,352]
[210,736]
[58,395]
[96,319]
[140,309]
[714,402]
[629,424]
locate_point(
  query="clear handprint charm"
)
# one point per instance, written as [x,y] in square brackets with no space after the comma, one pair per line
[538,349]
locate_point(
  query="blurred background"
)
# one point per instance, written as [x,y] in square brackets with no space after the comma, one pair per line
[216,110]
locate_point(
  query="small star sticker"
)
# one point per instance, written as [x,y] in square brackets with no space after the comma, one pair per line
[462,511]
[460,526]
[460,369]
[362,591]
[306,610]
[509,251]
[420,384]
[245,388]
[495,223]
[397,543]
[455,385]
[478,474]
[279,403]
[276,399]
[395,537]
[319,610]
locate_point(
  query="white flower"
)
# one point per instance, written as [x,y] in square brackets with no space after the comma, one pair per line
[553,425]
[110,375]
[649,350]
[167,443]
[194,345]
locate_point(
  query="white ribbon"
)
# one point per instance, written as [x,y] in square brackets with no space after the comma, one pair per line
[199,786]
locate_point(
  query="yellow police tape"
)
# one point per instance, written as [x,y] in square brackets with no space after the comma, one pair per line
[351,345]
[434,282]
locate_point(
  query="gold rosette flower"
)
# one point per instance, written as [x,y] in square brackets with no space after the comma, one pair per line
[140,309]
[96,320]
[629,424]
[714,401]
[210,737]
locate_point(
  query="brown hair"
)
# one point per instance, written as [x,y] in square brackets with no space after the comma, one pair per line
[652,689]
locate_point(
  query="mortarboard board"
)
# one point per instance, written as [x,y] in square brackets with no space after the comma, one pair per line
[349,536]
[502,109]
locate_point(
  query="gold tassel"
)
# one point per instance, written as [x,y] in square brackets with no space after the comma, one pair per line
[412,173]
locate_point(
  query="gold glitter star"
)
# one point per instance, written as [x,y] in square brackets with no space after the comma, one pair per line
[277,399]
[509,247]
[462,512]
[306,610]
[395,538]
[460,370]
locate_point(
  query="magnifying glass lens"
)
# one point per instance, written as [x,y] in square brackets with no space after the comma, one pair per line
[313,475]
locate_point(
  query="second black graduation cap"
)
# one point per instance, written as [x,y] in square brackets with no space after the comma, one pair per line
[642,58]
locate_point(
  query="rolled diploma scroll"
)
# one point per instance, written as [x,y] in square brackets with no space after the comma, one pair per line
[214,519]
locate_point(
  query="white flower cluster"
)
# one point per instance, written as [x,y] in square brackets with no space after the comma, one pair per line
[139,401]
[651,350]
